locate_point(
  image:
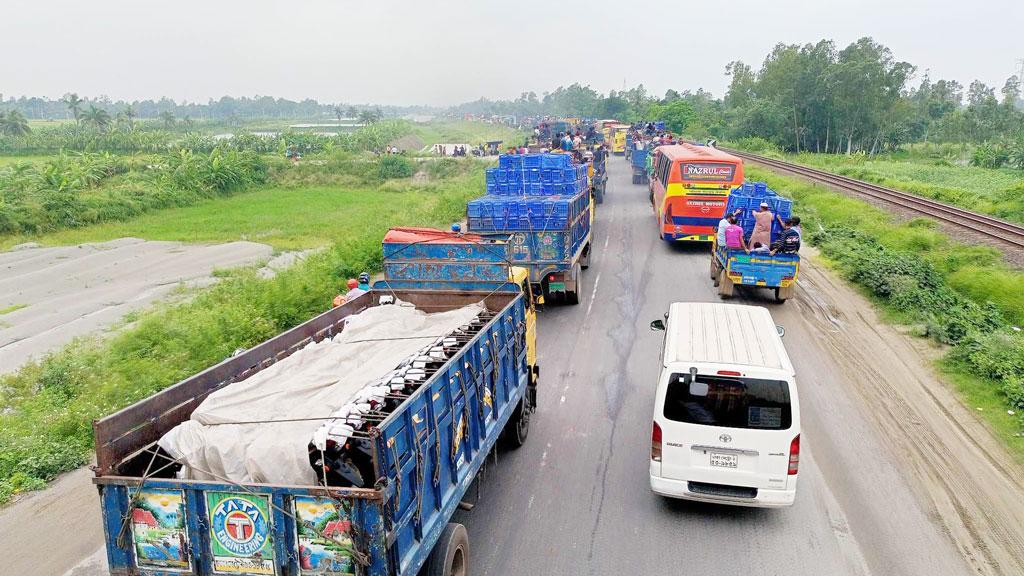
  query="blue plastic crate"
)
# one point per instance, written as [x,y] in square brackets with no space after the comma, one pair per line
[531,161]
[551,175]
[531,175]
[554,160]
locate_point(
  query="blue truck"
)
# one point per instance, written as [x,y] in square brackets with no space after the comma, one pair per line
[546,219]
[638,162]
[426,448]
[731,268]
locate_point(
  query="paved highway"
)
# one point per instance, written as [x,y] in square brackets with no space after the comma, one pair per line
[575,499]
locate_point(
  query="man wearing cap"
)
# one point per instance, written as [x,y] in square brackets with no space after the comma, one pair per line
[762,226]
[341,298]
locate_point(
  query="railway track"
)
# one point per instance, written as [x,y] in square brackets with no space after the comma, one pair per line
[1006,232]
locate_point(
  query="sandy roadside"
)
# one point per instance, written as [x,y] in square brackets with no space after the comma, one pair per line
[64,292]
[973,485]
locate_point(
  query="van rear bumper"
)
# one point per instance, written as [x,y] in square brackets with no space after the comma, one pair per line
[766,498]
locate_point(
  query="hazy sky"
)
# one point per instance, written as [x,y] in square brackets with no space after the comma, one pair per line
[444,52]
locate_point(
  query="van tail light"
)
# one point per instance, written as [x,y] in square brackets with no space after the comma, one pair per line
[656,443]
[794,455]
[729,373]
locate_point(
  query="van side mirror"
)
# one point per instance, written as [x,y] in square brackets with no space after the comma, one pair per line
[657,325]
[780,330]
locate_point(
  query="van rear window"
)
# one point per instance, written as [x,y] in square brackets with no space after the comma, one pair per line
[731,402]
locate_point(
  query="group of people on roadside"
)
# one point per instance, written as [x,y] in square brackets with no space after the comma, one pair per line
[356,288]
[732,236]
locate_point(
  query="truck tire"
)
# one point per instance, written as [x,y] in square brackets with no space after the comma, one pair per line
[573,296]
[518,427]
[450,556]
[725,285]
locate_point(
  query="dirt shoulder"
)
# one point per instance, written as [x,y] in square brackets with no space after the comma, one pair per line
[949,457]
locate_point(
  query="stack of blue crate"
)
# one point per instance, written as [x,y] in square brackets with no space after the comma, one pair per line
[531,192]
[536,175]
[748,199]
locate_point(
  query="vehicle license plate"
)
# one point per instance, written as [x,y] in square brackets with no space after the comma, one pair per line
[725,460]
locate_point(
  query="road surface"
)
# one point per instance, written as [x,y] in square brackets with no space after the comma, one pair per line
[882,487]
[896,477]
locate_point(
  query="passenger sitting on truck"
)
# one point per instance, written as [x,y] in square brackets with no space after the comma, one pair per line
[340,298]
[759,248]
[722,225]
[364,282]
[789,240]
[734,235]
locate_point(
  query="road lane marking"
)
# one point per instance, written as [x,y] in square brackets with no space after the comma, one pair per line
[593,296]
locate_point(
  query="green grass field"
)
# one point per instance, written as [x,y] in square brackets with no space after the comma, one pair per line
[285,218]
[469,132]
[998,192]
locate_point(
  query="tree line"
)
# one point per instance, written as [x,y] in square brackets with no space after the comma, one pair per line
[226,109]
[815,97]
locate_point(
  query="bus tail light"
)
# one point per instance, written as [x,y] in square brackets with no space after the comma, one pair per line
[794,455]
[656,443]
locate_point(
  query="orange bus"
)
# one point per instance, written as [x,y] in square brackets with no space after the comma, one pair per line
[689,189]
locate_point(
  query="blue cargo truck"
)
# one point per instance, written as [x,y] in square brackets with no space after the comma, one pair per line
[540,203]
[731,268]
[425,447]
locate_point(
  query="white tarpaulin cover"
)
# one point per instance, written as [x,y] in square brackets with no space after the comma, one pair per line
[311,383]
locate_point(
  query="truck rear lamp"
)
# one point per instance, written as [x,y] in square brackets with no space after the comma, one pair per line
[656,443]
[729,373]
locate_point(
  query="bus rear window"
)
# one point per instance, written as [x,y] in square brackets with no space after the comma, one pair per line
[730,402]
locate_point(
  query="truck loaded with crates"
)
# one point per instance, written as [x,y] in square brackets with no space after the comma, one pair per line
[542,204]
[731,268]
[342,446]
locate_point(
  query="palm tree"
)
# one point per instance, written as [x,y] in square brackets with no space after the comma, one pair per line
[339,113]
[187,122]
[352,112]
[98,117]
[168,117]
[74,103]
[14,123]
[368,117]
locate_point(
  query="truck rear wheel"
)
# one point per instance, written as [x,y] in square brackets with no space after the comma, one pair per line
[450,556]
[518,426]
[573,296]
[725,285]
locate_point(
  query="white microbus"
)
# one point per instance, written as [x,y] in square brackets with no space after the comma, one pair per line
[726,416]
